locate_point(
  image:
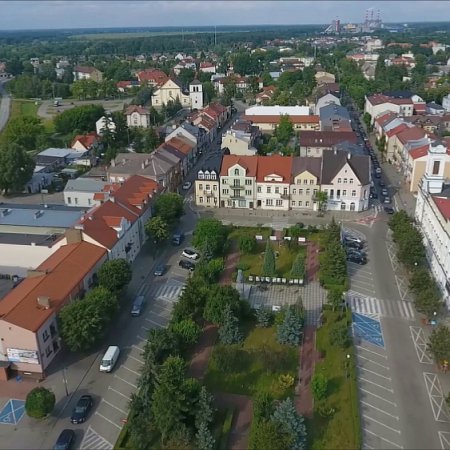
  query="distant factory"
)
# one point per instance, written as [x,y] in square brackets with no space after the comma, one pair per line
[372,22]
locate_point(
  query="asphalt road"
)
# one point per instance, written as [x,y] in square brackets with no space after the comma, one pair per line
[5,104]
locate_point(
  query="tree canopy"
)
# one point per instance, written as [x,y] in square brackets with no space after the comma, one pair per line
[16,168]
[115,274]
[169,207]
[80,118]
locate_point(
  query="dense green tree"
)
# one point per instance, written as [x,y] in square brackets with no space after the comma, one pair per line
[229,332]
[115,274]
[219,298]
[335,298]
[161,344]
[81,118]
[39,402]
[16,168]
[298,267]
[439,343]
[23,131]
[247,244]
[158,229]
[187,331]
[210,234]
[269,269]
[267,435]
[264,317]
[210,270]
[209,92]
[290,331]
[169,207]
[192,301]
[321,199]
[14,66]
[340,335]
[284,130]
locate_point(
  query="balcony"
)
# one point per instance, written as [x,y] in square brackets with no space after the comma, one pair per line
[237,186]
[285,196]
[208,193]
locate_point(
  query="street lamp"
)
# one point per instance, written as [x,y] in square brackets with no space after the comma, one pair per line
[347,363]
[64,374]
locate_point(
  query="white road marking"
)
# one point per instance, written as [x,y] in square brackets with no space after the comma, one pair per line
[141,338]
[110,421]
[378,396]
[373,362]
[436,397]
[370,351]
[381,423]
[375,373]
[379,409]
[376,384]
[136,359]
[154,323]
[132,371]
[125,381]
[119,393]
[138,348]
[444,437]
[113,406]
[382,438]
[145,328]
[420,345]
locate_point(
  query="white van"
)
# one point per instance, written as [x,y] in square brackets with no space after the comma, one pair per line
[109,358]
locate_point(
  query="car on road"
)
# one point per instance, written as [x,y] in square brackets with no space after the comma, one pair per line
[191,254]
[159,271]
[65,440]
[177,238]
[377,169]
[373,195]
[389,210]
[384,192]
[188,265]
[381,183]
[82,408]
[387,200]
[377,175]
[357,259]
[187,185]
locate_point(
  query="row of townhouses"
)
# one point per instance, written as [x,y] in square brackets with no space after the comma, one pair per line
[284,182]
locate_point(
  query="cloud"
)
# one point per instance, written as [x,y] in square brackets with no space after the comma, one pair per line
[98,14]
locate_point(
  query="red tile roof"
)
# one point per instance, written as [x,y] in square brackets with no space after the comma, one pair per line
[181,144]
[205,65]
[379,99]
[276,119]
[250,163]
[86,140]
[274,165]
[155,76]
[62,275]
[135,108]
[419,152]
[385,118]
[136,193]
[443,204]
[411,134]
[396,130]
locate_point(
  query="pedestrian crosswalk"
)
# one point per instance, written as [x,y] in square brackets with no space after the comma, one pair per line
[168,291]
[372,306]
[92,440]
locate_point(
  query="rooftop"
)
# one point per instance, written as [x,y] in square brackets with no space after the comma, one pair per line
[43,240]
[276,119]
[85,185]
[277,110]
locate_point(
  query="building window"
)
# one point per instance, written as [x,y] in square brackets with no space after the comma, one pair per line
[236,171]
[294,191]
[279,203]
[214,187]
[269,202]
[300,192]
[200,187]
[307,204]
[436,165]
[345,180]
[351,180]
[225,191]
[344,193]
[300,203]
[269,189]
[305,181]
[308,192]
[352,206]
[314,191]
[353,193]
[339,180]
[285,191]
[224,181]
[311,181]
[45,335]
[293,203]
[76,201]
[208,199]
[48,351]
[343,206]
[259,189]
[299,181]
[248,192]
[277,190]
[248,182]
[69,200]
[201,199]
[208,187]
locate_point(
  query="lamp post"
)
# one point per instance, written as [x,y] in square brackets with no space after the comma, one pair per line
[347,363]
[64,374]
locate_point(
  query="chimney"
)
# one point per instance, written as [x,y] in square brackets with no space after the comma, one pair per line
[73,235]
[43,302]
[349,155]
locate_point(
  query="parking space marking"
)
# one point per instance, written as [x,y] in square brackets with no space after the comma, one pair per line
[154,323]
[373,362]
[138,348]
[108,420]
[125,381]
[12,412]
[119,393]
[368,328]
[379,409]
[92,440]
[381,423]
[375,373]
[141,338]
[378,396]
[382,438]
[371,351]
[420,344]
[132,371]
[113,406]
[136,359]
[444,438]
[376,384]
[436,396]
[402,286]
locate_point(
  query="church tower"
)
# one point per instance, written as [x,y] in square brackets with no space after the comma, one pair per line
[196,94]
[434,173]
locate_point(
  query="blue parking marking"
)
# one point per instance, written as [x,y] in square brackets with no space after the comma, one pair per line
[368,328]
[12,412]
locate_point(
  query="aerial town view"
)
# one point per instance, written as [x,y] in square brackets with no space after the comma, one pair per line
[224,225]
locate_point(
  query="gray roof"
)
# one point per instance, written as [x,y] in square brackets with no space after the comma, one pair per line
[57,152]
[38,216]
[434,105]
[309,163]
[44,240]
[85,185]
[334,161]
[349,147]
[332,112]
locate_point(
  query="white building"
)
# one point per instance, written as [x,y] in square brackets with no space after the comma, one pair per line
[171,91]
[278,111]
[138,116]
[446,103]
[102,123]
[325,100]
[84,192]
[433,218]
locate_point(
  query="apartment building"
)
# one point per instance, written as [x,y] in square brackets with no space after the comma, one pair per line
[305,182]
[207,188]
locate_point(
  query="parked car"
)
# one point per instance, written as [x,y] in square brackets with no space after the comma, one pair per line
[373,195]
[191,254]
[389,210]
[354,245]
[384,192]
[159,270]
[188,265]
[112,353]
[177,238]
[81,410]
[381,183]
[387,200]
[138,306]
[187,185]
[377,169]
[377,175]
[65,440]
[349,238]
[357,259]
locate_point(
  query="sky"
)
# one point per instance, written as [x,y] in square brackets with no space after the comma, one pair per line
[98,14]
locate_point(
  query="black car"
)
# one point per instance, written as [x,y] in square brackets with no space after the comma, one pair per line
[353,251]
[188,265]
[381,183]
[373,195]
[377,175]
[357,259]
[389,210]
[353,244]
[65,440]
[81,410]
[177,239]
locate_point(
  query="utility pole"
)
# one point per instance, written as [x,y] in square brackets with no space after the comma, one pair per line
[215,35]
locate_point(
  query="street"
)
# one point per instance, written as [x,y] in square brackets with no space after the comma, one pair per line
[5,105]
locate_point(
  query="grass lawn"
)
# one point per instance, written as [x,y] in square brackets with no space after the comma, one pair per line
[255,366]
[239,232]
[343,429]
[22,107]
[252,263]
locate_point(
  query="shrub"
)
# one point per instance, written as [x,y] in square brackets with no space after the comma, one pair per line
[290,330]
[319,386]
[340,336]
[269,261]
[187,331]
[247,244]
[39,402]
[298,267]
[229,332]
[264,316]
[285,381]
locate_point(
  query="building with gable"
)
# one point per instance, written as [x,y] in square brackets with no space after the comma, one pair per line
[138,116]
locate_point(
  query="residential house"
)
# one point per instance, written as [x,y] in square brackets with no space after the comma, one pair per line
[83,192]
[334,117]
[401,103]
[241,138]
[313,143]
[138,116]
[346,180]
[218,113]
[324,77]
[124,86]
[238,181]
[183,148]
[207,187]
[266,95]
[207,67]
[325,100]
[87,73]
[29,332]
[273,178]
[151,77]
[54,158]
[86,142]
[305,182]
[103,124]
[160,166]
[430,123]
[193,133]
[435,109]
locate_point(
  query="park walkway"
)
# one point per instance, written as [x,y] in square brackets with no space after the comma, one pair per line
[312,261]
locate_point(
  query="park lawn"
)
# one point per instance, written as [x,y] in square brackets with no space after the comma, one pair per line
[343,429]
[252,263]
[239,232]
[258,369]
[23,108]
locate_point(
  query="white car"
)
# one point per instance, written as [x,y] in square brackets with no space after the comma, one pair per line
[187,185]
[191,254]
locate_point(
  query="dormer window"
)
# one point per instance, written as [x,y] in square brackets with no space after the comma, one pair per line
[236,171]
